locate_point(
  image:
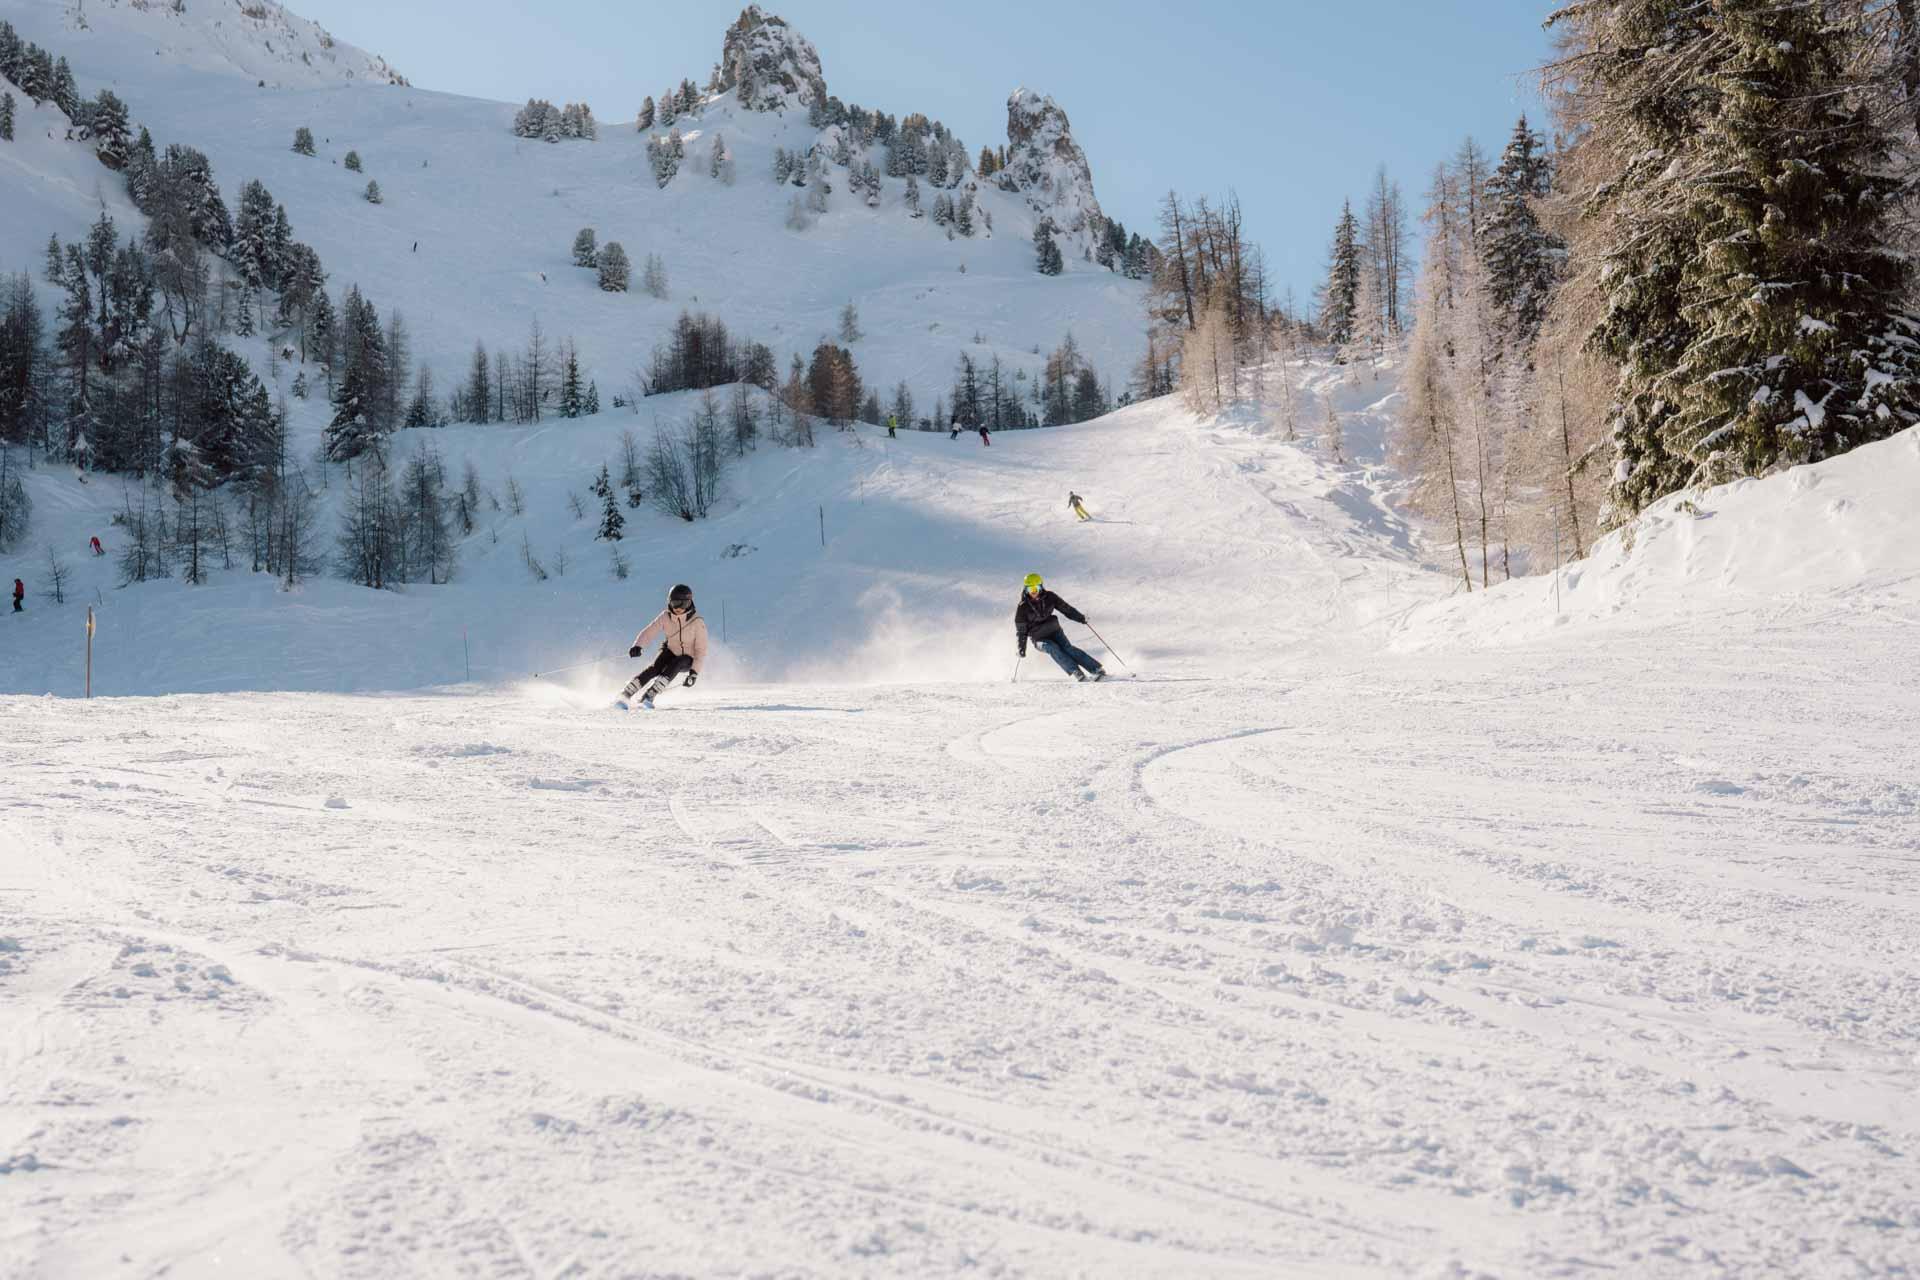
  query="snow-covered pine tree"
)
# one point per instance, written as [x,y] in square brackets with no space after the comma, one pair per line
[720,161]
[1522,258]
[243,313]
[573,392]
[1341,291]
[645,121]
[592,405]
[963,214]
[252,251]
[912,198]
[1750,300]
[850,324]
[112,134]
[1047,257]
[352,162]
[65,94]
[303,141]
[612,523]
[615,270]
[669,109]
[586,249]
[373,192]
[6,117]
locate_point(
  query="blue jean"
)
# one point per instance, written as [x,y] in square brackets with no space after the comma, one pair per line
[1070,658]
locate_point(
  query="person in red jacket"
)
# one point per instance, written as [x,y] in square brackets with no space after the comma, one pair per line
[683,635]
[19,594]
[983,435]
[94,542]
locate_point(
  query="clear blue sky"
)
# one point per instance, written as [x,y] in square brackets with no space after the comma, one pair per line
[1292,103]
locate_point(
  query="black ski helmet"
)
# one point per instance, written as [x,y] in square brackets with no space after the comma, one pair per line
[681,594]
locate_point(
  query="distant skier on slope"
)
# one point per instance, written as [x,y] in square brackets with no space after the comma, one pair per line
[893,427]
[683,635]
[19,594]
[955,424]
[983,435]
[1073,502]
[93,544]
[1033,620]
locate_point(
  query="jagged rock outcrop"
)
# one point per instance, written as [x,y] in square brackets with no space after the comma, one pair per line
[771,66]
[1046,165]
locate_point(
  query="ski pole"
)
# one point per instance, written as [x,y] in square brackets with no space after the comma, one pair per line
[1016,667]
[1109,648]
[539,675]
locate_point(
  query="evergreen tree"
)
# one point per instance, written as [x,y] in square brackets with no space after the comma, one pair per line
[373,192]
[303,141]
[585,249]
[352,162]
[572,390]
[252,251]
[850,324]
[615,271]
[1749,298]
[1522,258]
[6,117]
[112,133]
[1047,257]
[1340,296]
[592,405]
[645,121]
[611,521]
[351,431]
[65,93]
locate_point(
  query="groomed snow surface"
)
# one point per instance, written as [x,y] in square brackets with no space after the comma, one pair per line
[1588,953]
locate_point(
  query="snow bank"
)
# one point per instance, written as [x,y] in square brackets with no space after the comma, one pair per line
[1841,534]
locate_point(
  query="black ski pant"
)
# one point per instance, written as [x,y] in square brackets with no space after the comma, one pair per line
[665,666]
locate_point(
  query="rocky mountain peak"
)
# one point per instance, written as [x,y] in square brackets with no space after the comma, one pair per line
[770,65]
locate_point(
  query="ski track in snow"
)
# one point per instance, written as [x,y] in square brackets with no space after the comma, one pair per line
[1320,975]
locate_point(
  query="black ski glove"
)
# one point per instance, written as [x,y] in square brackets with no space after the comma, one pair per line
[1023,648]
[634,652]
[691,677]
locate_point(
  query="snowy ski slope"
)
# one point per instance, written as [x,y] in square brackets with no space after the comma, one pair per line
[1369,932]
[1293,957]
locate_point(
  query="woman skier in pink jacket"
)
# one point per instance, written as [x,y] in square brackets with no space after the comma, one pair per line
[683,633]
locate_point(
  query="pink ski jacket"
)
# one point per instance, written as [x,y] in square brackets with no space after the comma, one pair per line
[684,635]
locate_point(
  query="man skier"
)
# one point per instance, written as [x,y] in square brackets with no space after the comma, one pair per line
[94,543]
[955,424]
[1073,502]
[983,435]
[893,425]
[19,594]
[1033,619]
[683,633]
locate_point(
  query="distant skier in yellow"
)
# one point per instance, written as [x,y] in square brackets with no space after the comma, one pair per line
[1073,501]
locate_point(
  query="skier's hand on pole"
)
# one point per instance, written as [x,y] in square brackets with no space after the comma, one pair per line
[691,677]
[634,652]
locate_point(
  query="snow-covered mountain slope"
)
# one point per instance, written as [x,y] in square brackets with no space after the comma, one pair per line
[473,240]
[49,182]
[138,42]
[1835,537]
[1293,957]
[1215,548]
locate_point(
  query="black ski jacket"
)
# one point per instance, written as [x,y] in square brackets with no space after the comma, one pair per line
[1033,617]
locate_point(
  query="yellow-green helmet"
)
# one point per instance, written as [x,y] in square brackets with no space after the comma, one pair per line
[1031,581]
